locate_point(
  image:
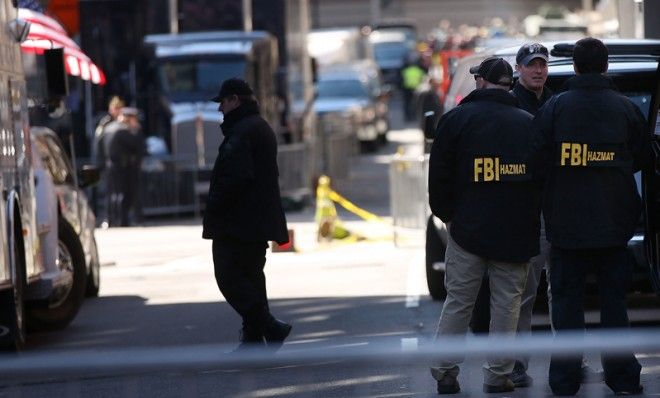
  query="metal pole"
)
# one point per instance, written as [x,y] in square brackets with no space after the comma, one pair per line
[639,19]
[173,8]
[89,123]
[375,11]
[247,15]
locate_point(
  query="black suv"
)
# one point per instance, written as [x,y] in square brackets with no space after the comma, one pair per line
[634,67]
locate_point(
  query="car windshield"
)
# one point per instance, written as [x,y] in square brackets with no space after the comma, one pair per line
[390,51]
[196,79]
[341,88]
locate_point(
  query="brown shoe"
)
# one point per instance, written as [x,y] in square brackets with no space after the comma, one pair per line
[507,386]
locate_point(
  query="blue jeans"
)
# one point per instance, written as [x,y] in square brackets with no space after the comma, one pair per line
[613,269]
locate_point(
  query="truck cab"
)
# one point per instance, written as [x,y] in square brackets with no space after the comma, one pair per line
[185,71]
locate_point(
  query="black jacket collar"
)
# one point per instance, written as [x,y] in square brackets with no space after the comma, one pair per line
[527,98]
[246,109]
[491,94]
[590,81]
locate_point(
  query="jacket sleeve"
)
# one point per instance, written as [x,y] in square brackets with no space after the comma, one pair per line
[543,128]
[235,172]
[443,169]
[639,140]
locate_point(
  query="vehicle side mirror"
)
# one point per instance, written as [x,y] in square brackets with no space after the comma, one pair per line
[430,124]
[88,176]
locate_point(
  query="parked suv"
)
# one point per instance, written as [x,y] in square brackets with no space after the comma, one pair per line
[634,68]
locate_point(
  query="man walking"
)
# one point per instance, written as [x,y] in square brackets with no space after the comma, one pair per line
[481,176]
[244,212]
[595,140]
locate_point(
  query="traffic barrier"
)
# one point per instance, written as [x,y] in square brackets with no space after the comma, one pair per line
[62,364]
[289,246]
[409,194]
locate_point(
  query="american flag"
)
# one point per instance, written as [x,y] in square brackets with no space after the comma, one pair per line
[34,5]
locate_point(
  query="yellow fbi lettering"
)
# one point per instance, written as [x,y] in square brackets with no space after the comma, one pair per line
[575,154]
[490,169]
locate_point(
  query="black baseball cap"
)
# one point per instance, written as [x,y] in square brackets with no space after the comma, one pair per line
[233,86]
[530,51]
[495,70]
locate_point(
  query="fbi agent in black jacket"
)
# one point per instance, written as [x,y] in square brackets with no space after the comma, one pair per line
[244,212]
[482,182]
[531,92]
[595,140]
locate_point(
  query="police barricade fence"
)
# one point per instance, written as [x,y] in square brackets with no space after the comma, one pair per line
[360,366]
[169,185]
[335,144]
[408,195]
[177,185]
[295,179]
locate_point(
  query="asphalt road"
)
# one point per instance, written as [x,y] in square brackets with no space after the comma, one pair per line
[159,303]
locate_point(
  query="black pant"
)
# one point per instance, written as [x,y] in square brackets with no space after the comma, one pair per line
[613,269]
[122,193]
[239,272]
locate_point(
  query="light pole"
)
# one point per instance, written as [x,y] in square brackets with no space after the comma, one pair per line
[173,8]
[247,15]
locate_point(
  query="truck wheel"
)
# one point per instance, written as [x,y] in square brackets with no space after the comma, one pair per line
[59,313]
[94,276]
[435,253]
[12,307]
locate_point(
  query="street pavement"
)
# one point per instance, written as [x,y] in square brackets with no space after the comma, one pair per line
[158,294]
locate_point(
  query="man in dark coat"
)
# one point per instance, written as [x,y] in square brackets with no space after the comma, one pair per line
[595,140]
[482,175]
[244,212]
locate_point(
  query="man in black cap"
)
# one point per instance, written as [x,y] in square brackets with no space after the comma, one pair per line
[482,176]
[530,90]
[595,140]
[532,68]
[244,211]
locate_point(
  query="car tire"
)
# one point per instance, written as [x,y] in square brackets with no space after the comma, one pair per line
[12,305]
[94,275]
[435,252]
[53,316]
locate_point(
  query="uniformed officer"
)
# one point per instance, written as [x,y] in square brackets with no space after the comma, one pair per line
[595,140]
[481,176]
[125,147]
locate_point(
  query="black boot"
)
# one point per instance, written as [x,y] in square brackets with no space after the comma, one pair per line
[275,332]
[250,338]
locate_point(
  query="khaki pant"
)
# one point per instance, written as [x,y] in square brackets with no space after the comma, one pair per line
[463,275]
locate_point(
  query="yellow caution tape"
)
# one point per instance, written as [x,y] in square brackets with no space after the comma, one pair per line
[348,205]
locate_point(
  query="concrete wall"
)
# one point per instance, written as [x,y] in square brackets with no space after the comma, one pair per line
[427,13]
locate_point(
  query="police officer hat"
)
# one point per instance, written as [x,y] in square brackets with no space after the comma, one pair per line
[495,70]
[129,111]
[531,51]
[233,86]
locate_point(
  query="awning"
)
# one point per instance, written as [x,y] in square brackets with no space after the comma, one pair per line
[46,33]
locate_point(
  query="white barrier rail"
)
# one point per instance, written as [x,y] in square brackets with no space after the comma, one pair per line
[60,364]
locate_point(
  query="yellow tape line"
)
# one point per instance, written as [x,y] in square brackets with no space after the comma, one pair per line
[348,205]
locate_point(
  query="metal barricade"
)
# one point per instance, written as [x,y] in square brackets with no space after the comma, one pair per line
[168,186]
[295,179]
[336,144]
[409,194]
